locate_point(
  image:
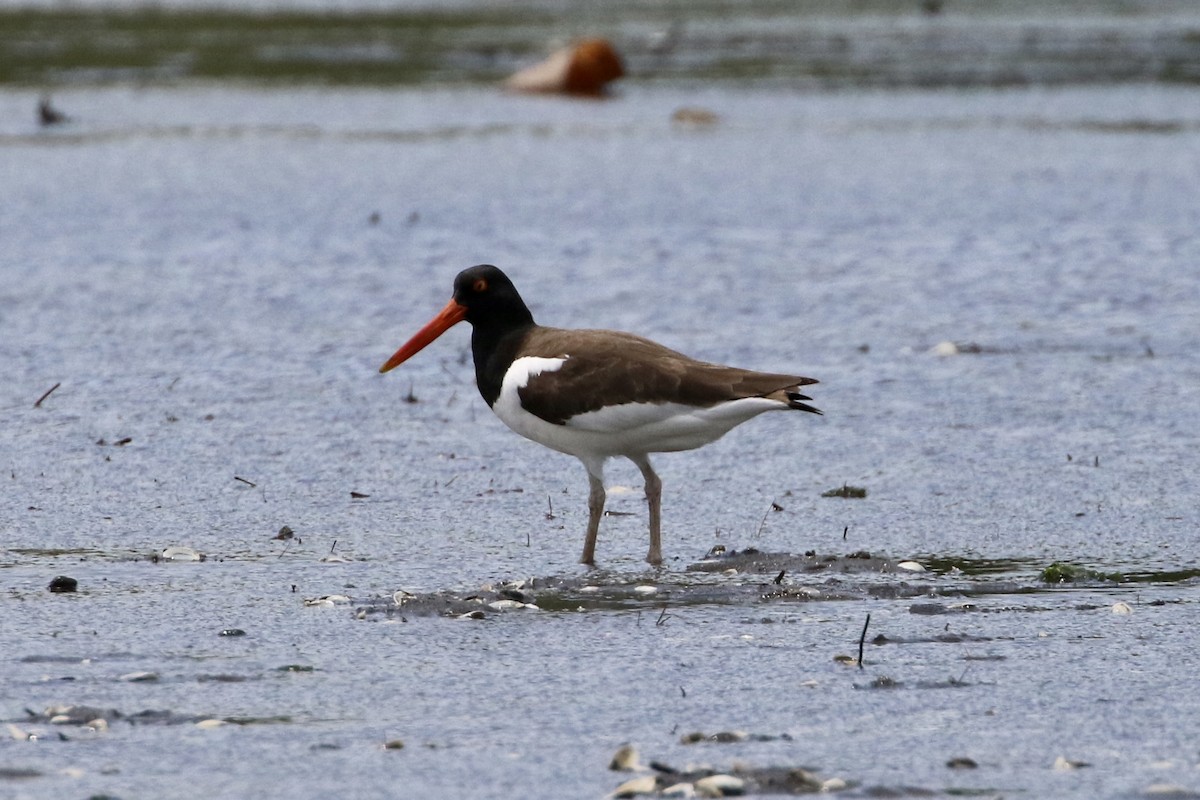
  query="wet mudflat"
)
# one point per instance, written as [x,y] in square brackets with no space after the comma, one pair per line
[997,290]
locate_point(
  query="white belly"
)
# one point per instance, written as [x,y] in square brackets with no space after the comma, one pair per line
[633,428]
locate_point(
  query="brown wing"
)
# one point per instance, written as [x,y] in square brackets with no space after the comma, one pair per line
[606,368]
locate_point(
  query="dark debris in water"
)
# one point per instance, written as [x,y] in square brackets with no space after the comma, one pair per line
[83,716]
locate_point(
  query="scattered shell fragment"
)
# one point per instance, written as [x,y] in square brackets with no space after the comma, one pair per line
[625,759]
[720,786]
[695,116]
[327,600]
[644,784]
[181,553]
[582,68]
[505,605]
[1122,608]
[911,566]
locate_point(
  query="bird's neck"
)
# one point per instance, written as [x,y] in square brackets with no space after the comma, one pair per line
[494,347]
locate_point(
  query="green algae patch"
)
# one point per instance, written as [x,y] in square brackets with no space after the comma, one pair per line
[846,491]
[1062,572]
[90,46]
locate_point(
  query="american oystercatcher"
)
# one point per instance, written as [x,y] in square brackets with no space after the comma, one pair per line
[597,394]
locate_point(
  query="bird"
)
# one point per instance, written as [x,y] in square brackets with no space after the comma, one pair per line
[598,394]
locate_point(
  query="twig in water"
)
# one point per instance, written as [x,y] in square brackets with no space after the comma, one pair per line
[333,547]
[682,692]
[251,484]
[662,618]
[550,503]
[845,532]
[779,577]
[861,640]
[48,392]
[762,522]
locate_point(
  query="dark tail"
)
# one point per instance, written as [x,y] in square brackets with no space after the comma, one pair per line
[795,401]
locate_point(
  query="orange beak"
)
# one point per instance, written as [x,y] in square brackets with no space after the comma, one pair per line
[451,315]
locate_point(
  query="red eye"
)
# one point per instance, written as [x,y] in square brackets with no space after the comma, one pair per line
[479,286]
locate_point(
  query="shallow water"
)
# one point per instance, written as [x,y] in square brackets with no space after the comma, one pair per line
[199,269]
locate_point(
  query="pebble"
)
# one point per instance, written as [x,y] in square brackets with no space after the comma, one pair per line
[945,349]
[911,566]
[833,785]
[139,677]
[1063,764]
[208,724]
[63,584]
[683,789]
[472,615]
[645,589]
[1122,608]
[393,744]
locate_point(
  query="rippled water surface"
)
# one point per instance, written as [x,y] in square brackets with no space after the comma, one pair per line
[997,290]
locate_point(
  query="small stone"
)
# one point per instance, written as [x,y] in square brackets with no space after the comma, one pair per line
[209,724]
[945,349]
[645,784]
[1122,608]
[139,677]
[833,785]
[232,632]
[477,614]
[720,786]
[911,566]
[100,724]
[683,789]
[645,589]
[962,762]
[1063,764]
[393,744]
[692,738]
[63,584]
